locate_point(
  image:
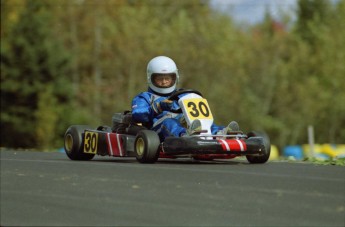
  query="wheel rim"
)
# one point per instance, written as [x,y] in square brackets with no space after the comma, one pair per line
[68,142]
[140,146]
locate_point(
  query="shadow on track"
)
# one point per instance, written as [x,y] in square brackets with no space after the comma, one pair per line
[183,161]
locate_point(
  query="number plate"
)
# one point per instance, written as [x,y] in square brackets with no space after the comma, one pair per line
[90,142]
[197,108]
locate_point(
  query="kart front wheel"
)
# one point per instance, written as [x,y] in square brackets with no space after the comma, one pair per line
[262,158]
[74,143]
[147,146]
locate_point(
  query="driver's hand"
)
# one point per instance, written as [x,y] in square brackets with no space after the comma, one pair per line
[166,104]
[160,106]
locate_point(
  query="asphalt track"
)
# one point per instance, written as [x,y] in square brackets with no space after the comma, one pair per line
[47,189]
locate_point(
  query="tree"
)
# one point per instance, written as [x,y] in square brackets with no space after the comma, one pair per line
[264,76]
[309,13]
[34,73]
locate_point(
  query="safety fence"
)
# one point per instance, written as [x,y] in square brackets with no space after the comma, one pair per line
[318,151]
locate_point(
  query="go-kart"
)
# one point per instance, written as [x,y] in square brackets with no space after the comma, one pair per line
[129,139]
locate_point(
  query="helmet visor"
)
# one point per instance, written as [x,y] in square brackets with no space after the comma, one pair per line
[163,80]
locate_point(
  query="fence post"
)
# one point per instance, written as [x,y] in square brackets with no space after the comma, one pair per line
[311,140]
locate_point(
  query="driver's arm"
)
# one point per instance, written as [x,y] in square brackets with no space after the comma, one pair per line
[141,108]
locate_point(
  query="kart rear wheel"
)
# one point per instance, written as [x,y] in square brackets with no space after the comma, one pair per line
[146,146]
[74,143]
[258,159]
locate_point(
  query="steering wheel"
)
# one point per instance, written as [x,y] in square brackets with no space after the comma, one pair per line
[175,95]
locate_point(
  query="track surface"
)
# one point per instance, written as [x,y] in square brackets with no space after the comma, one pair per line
[46,189]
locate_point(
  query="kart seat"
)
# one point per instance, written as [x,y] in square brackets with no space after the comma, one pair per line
[122,123]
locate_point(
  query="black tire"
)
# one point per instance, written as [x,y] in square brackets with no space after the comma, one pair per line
[259,159]
[73,143]
[146,146]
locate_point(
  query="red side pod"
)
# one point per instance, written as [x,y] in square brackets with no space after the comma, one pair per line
[233,145]
[115,144]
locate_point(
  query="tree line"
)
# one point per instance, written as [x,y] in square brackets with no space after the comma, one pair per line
[79,61]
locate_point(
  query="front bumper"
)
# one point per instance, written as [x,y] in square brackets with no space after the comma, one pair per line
[197,145]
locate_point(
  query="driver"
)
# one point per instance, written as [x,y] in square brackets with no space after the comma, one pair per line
[153,109]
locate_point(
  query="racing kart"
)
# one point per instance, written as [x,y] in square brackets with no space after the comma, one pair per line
[125,138]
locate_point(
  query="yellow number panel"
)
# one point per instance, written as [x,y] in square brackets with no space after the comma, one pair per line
[197,108]
[90,142]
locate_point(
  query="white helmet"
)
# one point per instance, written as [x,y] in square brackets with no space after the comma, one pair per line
[158,66]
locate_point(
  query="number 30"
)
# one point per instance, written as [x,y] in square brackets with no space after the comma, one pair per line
[90,145]
[201,108]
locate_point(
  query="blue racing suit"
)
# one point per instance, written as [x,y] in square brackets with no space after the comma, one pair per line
[165,123]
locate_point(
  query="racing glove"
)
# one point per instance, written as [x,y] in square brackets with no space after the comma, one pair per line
[160,106]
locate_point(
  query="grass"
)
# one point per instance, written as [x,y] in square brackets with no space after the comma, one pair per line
[317,161]
[331,161]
